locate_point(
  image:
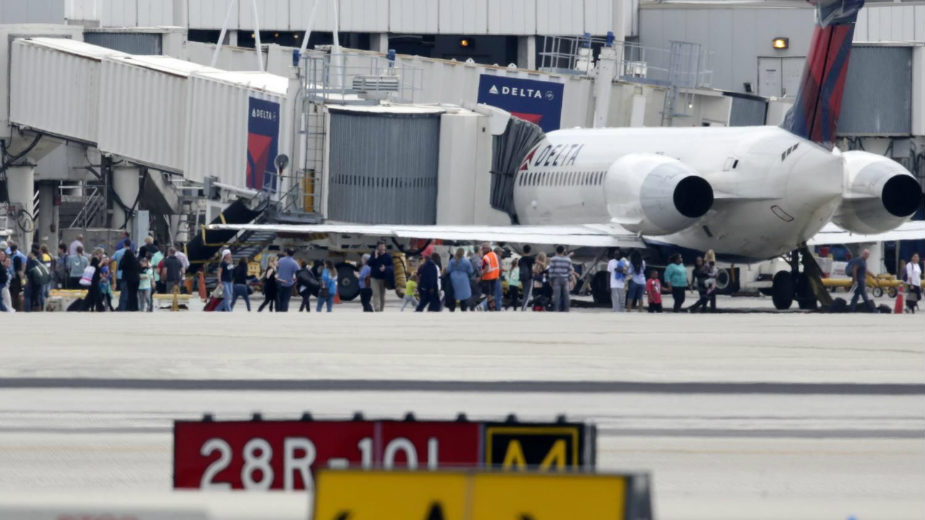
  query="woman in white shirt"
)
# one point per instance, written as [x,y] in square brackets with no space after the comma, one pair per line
[914,283]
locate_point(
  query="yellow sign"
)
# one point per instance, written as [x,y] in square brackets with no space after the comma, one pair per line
[383,495]
[440,495]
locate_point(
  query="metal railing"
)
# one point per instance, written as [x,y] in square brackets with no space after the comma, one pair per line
[352,77]
[683,64]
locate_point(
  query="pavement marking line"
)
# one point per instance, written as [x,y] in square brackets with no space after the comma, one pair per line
[399,385]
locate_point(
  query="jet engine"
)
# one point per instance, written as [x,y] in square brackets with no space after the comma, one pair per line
[655,195]
[879,194]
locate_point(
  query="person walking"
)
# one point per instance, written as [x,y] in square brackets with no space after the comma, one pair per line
[225,277]
[429,285]
[93,301]
[18,266]
[491,278]
[636,272]
[461,273]
[120,278]
[705,281]
[307,284]
[525,264]
[105,284]
[364,281]
[380,263]
[61,274]
[676,281]
[913,279]
[411,291]
[76,265]
[270,290]
[145,286]
[37,277]
[560,271]
[857,269]
[328,286]
[654,292]
[172,272]
[617,269]
[285,275]
[239,284]
[131,278]
[77,242]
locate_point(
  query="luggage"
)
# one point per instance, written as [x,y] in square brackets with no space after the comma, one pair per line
[212,304]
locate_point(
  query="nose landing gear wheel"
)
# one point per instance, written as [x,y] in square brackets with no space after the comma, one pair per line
[782,290]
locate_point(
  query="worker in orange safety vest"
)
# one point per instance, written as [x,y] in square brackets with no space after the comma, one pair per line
[491,278]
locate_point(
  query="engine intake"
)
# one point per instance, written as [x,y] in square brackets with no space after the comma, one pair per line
[880,196]
[656,195]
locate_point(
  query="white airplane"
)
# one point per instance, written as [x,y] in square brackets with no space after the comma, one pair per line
[748,193]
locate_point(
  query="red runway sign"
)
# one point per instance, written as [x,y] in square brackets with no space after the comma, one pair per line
[262,455]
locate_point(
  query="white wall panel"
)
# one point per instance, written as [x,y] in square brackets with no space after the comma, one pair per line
[562,17]
[512,16]
[598,16]
[153,13]
[860,27]
[920,23]
[54,86]
[411,16]
[209,14]
[300,11]
[364,16]
[82,10]
[140,117]
[273,15]
[469,17]
[119,13]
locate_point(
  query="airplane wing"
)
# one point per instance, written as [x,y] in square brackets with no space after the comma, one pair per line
[832,234]
[590,235]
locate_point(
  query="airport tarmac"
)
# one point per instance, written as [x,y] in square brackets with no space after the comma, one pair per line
[735,415]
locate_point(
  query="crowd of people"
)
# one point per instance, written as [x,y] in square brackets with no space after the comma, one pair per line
[27,279]
[486,278]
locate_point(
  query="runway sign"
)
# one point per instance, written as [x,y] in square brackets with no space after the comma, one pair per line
[449,495]
[542,446]
[283,455]
[262,455]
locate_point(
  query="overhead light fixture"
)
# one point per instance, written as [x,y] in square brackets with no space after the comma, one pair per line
[780,43]
[466,42]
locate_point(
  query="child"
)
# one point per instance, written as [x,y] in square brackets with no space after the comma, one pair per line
[145,284]
[411,288]
[654,292]
[105,288]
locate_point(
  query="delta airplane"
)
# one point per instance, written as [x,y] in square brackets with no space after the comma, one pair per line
[748,193]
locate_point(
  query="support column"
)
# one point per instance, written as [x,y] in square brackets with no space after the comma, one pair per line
[379,42]
[20,182]
[48,215]
[125,185]
[232,39]
[526,52]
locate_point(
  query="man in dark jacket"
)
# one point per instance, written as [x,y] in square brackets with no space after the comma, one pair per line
[380,264]
[429,286]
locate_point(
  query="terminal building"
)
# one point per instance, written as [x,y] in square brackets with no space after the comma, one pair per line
[126,114]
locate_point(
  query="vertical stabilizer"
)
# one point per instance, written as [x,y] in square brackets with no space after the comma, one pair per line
[814,114]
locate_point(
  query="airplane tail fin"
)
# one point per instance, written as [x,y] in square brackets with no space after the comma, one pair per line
[814,114]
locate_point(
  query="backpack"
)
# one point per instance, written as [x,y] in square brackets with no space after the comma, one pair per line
[39,274]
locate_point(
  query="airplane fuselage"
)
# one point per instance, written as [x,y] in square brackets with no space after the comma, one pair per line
[772,189]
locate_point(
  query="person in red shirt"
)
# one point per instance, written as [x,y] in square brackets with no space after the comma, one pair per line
[654,292]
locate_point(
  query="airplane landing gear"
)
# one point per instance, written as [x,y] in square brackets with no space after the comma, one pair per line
[805,287]
[782,290]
